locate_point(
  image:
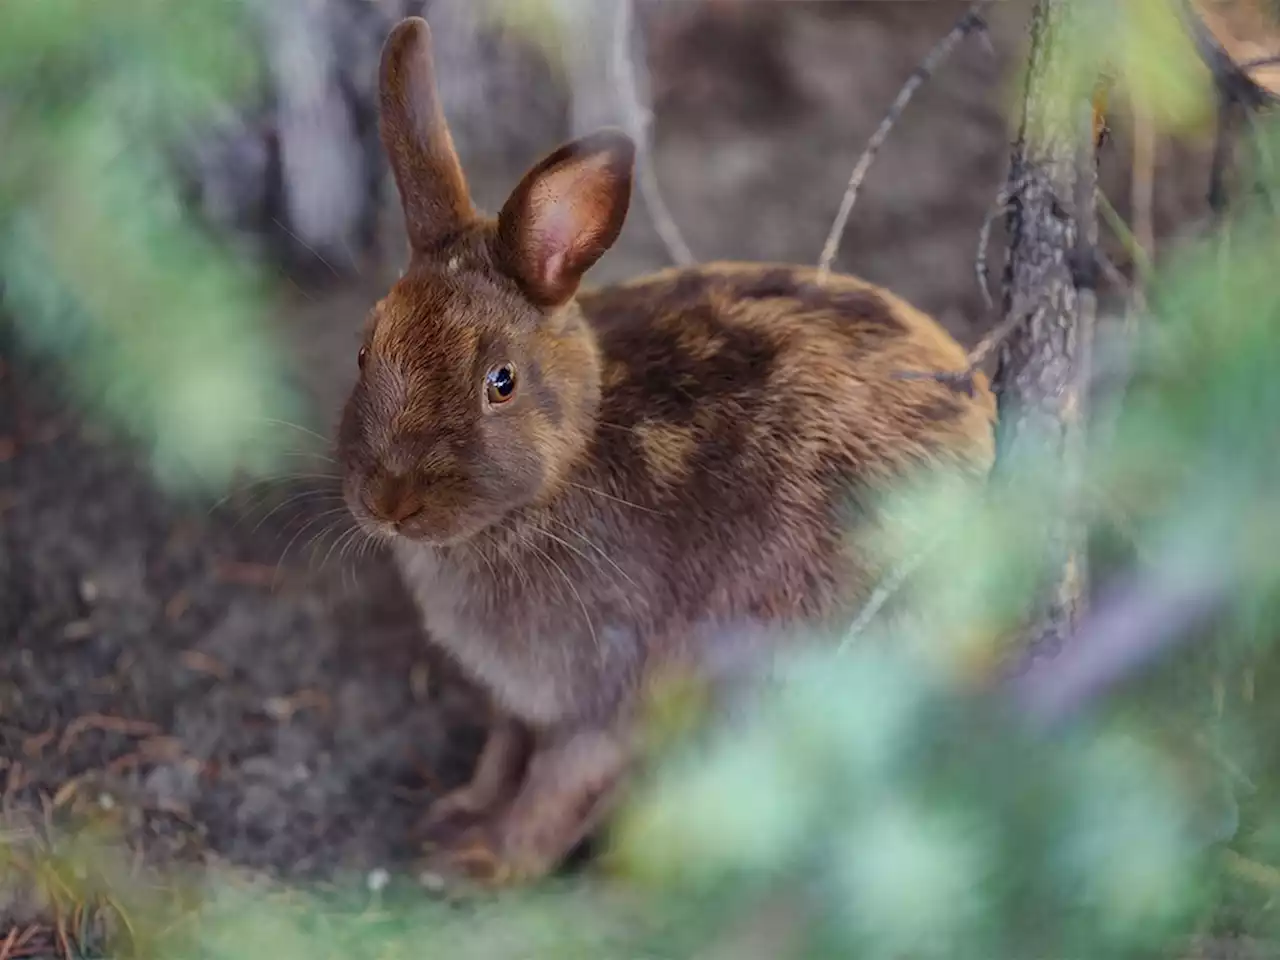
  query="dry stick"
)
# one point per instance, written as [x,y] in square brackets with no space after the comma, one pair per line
[1137,254]
[1142,191]
[638,119]
[1113,273]
[885,591]
[1270,61]
[963,379]
[970,21]
[996,211]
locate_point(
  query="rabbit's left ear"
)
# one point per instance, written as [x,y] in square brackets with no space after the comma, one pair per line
[564,214]
[433,189]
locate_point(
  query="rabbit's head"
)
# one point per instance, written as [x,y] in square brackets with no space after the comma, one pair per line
[479,379]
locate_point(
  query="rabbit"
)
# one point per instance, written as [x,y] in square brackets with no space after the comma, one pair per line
[587,492]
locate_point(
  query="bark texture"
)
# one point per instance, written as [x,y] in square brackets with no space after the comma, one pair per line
[1043,365]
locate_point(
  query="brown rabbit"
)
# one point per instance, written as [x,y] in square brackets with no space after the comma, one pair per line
[584,492]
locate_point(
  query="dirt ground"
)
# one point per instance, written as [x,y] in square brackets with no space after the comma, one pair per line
[224,693]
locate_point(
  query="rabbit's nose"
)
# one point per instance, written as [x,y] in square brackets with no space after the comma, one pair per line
[393,499]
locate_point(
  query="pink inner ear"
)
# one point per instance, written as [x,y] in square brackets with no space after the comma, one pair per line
[568,212]
[556,234]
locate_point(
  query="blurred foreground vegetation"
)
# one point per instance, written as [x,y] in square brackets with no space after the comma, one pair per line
[160,326]
[888,799]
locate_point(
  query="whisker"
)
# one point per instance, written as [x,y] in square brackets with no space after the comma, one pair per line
[321,496]
[314,543]
[310,455]
[296,426]
[485,557]
[257,500]
[520,571]
[608,559]
[609,496]
[370,544]
[343,540]
[587,559]
[317,501]
[355,551]
[595,639]
[303,529]
[276,479]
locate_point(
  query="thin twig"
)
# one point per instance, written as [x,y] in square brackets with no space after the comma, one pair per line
[638,119]
[885,591]
[109,724]
[1114,275]
[1125,235]
[997,209]
[963,379]
[1142,194]
[970,21]
[1269,61]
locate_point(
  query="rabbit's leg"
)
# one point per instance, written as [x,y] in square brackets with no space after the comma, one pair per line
[567,791]
[493,782]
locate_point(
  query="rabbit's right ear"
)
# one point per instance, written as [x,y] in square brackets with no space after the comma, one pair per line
[433,189]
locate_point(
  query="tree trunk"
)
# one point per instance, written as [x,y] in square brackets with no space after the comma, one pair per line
[1043,367]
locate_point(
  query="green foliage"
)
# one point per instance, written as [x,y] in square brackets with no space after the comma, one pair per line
[1138,50]
[158,324]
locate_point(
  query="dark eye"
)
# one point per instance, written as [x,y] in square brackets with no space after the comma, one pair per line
[500,384]
[362,356]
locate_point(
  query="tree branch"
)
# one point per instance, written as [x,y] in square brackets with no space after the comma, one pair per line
[970,21]
[1044,363]
[997,210]
[638,119]
[963,379]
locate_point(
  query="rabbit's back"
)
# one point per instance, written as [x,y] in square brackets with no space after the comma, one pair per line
[761,409]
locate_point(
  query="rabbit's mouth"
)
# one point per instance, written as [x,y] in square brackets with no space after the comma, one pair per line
[429,524]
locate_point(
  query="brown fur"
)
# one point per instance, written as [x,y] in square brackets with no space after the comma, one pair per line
[683,456]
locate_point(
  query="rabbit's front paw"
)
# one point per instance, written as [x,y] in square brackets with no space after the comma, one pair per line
[492,785]
[470,861]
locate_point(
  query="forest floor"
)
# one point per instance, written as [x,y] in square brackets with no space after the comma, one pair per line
[178,673]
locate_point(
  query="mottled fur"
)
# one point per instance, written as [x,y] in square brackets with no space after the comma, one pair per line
[687,453]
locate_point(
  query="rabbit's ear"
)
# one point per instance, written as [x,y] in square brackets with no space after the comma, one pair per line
[566,212]
[433,189]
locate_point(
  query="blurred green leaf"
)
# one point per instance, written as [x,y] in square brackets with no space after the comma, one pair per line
[161,327]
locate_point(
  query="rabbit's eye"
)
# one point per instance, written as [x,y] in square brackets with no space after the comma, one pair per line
[362,356]
[500,384]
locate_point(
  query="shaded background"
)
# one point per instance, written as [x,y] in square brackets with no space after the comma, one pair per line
[228,687]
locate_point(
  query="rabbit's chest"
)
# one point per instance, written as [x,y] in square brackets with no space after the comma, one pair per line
[544,661]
